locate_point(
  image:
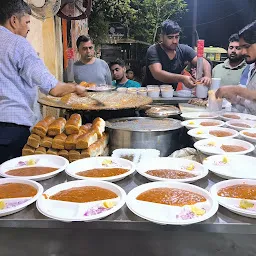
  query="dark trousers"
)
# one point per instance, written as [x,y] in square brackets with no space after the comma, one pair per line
[12,139]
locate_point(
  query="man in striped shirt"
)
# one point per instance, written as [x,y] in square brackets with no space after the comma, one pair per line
[21,72]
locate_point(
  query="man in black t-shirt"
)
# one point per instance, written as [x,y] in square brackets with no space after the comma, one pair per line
[166,61]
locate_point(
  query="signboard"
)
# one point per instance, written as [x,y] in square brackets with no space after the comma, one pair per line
[117,29]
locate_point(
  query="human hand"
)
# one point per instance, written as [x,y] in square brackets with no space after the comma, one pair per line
[206,81]
[81,91]
[189,82]
[228,92]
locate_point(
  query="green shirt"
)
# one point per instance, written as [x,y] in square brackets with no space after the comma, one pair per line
[129,83]
[229,75]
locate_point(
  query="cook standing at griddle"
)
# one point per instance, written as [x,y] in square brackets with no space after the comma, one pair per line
[21,71]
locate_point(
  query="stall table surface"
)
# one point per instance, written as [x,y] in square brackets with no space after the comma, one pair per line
[222,222]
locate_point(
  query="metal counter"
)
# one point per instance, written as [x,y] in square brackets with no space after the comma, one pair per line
[222,222]
[171,101]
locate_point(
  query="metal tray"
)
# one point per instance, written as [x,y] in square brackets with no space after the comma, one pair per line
[143,124]
[101,88]
[162,111]
[112,101]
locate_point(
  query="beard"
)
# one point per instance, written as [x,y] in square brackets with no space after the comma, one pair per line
[235,58]
[169,47]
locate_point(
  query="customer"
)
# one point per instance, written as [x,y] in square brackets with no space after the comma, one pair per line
[89,68]
[166,61]
[118,70]
[21,73]
[244,98]
[130,74]
[231,70]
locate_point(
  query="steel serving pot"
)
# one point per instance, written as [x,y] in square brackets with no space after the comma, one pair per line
[132,132]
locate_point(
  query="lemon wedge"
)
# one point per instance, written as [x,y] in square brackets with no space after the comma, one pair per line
[200,132]
[244,204]
[191,122]
[2,205]
[197,211]
[225,160]
[31,162]
[211,143]
[106,162]
[109,204]
[191,167]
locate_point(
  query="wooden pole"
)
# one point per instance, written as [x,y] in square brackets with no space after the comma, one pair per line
[65,43]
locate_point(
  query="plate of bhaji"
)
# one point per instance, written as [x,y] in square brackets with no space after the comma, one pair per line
[81,200]
[171,203]
[237,195]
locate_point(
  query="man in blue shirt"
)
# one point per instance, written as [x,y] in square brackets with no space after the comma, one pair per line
[245,77]
[118,70]
[21,72]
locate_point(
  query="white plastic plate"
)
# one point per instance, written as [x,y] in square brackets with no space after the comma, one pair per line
[204,132]
[184,165]
[241,116]
[230,123]
[195,123]
[213,146]
[232,204]
[232,166]
[199,115]
[34,161]
[70,211]
[167,214]
[138,154]
[13,205]
[246,137]
[98,162]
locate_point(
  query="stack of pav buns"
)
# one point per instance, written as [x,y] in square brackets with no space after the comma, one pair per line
[68,138]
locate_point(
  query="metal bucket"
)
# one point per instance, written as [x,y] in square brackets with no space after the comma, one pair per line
[165,139]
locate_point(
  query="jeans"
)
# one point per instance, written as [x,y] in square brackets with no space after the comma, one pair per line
[13,137]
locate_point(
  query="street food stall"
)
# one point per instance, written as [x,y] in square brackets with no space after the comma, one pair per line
[95,182]
[119,223]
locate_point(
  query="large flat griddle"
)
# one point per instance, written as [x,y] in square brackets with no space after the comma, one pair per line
[111,100]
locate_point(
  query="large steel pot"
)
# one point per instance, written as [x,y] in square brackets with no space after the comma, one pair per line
[165,138]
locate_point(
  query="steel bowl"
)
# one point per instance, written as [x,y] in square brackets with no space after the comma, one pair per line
[145,132]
